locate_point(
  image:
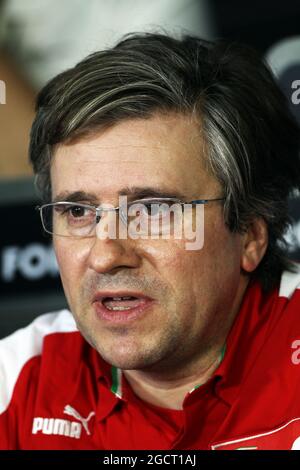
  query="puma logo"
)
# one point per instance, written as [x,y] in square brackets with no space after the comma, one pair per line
[69,410]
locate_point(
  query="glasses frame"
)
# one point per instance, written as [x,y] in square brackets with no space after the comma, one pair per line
[99,209]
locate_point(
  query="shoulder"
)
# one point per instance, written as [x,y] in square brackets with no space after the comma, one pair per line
[290,284]
[18,349]
[283,302]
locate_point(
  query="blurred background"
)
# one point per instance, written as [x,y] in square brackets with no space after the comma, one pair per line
[40,38]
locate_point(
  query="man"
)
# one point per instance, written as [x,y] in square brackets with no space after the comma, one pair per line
[177,348]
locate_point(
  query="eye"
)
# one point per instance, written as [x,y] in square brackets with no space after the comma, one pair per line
[70,209]
[77,211]
[147,209]
[152,210]
[72,212]
[155,209]
[158,209]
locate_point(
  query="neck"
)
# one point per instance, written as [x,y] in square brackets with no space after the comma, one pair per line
[169,391]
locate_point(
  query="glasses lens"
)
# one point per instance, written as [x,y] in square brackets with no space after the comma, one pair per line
[68,219]
[154,217]
[46,216]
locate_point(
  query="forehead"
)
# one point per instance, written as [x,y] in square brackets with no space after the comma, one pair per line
[162,151]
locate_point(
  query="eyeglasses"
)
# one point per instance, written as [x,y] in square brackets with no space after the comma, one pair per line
[79,220]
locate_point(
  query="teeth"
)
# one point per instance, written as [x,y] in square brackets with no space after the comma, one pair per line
[121,298]
[108,302]
[118,308]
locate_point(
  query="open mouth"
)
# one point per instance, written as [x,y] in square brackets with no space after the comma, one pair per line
[121,303]
[121,308]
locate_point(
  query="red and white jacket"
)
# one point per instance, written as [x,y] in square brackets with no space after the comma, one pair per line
[56,392]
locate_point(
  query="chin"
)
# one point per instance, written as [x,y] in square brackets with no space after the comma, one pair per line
[127,361]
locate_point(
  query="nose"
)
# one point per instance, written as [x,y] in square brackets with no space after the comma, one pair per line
[107,254]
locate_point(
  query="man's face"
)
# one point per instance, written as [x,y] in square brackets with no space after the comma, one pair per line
[195,293]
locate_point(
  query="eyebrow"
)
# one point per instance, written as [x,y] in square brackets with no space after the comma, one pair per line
[134,192]
[138,192]
[75,196]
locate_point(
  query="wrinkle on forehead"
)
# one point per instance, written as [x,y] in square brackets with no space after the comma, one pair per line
[153,151]
[136,129]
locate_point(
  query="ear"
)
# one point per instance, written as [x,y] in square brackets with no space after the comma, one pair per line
[254,245]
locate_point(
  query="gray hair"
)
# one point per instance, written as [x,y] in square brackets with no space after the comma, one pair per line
[251,139]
